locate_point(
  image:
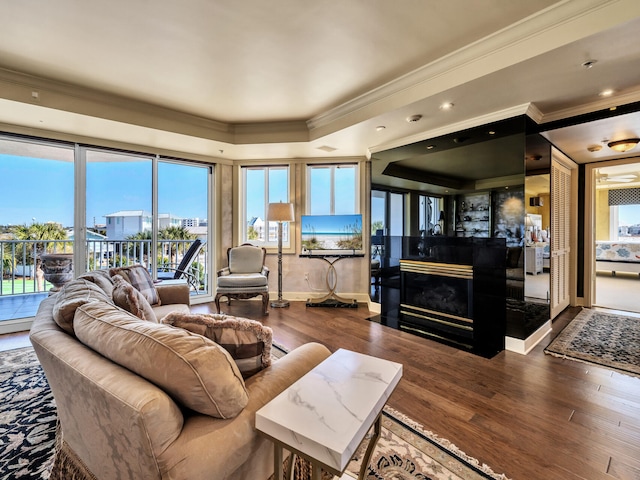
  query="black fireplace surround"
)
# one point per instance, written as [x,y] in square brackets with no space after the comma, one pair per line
[453,290]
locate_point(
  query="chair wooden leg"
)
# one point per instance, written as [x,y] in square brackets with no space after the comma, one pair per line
[265,303]
[217,300]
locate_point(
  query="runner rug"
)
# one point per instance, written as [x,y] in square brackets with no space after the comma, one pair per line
[28,421]
[600,338]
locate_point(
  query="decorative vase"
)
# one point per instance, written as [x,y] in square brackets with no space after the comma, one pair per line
[57,268]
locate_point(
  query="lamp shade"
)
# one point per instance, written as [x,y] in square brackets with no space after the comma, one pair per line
[527,221]
[280,212]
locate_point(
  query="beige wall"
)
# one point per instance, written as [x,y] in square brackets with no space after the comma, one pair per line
[353,273]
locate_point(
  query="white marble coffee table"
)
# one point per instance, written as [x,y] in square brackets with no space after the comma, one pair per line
[326,414]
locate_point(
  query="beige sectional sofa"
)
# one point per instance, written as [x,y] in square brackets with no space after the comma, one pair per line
[142,399]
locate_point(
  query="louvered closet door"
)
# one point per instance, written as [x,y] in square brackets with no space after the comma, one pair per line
[560,237]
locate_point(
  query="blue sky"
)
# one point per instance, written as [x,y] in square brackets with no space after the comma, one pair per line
[43,190]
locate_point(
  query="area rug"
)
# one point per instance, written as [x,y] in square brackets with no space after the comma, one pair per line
[600,338]
[28,419]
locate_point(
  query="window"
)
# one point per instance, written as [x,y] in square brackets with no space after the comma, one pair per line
[261,186]
[332,189]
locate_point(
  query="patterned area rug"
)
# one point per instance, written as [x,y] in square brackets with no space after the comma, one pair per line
[28,419]
[600,338]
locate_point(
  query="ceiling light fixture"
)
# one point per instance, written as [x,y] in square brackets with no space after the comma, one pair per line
[594,148]
[430,147]
[446,106]
[624,145]
[414,118]
[379,128]
[589,63]
[606,93]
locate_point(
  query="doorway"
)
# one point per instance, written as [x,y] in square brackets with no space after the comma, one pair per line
[617,235]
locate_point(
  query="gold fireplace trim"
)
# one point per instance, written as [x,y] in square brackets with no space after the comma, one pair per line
[433,335]
[441,269]
[427,314]
[438,320]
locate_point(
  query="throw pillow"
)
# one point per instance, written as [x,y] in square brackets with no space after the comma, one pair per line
[127,297]
[248,341]
[101,278]
[75,293]
[195,371]
[139,277]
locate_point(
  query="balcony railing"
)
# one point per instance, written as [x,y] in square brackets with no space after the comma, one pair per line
[20,263]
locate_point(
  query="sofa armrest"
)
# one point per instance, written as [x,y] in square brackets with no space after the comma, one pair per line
[172,294]
[214,448]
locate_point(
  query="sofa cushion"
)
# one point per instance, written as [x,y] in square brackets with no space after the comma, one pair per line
[139,277]
[192,369]
[74,294]
[101,278]
[129,298]
[248,341]
[242,280]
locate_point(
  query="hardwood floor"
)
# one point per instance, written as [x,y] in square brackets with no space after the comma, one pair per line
[530,417]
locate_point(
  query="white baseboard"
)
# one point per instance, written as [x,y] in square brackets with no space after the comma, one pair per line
[525,346]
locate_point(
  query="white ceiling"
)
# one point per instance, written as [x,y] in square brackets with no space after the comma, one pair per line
[253,79]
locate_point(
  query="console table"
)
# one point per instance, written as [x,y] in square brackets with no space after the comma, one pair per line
[331,299]
[324,416]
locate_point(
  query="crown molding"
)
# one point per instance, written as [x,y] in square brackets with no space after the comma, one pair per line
[601,104]
[555,26]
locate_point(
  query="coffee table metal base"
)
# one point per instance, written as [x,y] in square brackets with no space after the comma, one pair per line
[317,467]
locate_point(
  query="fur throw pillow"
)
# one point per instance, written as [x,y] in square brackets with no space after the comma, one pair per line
[247,341]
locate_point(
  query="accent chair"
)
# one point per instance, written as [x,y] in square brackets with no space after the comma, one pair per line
[245,277]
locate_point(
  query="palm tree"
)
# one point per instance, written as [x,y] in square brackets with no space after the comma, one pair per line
[175,233]
[136,248]
[45,234]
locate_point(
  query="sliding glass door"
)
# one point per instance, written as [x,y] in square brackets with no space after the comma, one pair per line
[107,208]
[118,209]
[36,217]
[182,220]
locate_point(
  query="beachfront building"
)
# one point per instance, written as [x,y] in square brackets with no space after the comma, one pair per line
[125,223]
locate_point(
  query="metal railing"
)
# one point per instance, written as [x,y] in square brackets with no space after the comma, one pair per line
[21,264]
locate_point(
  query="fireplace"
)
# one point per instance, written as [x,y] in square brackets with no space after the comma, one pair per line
[438,298]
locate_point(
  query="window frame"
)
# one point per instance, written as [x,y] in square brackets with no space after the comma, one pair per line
[333,167]
[288,229]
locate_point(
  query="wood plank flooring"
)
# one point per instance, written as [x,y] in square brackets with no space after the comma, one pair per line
[530,417]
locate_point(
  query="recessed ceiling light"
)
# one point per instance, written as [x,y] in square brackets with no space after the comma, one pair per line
[379,128]
[446,106]
[491,132]
[414,118]
[589,63]
[594,148]
[606,93]
[430,147]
